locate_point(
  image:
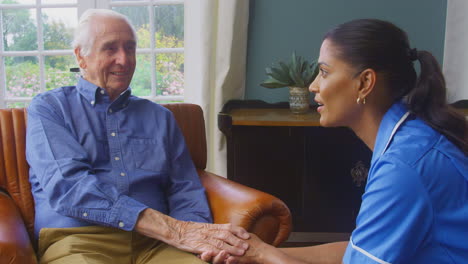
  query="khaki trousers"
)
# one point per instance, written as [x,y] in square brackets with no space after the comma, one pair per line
[105,245]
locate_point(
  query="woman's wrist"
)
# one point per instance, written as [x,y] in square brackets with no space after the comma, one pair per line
[268,254]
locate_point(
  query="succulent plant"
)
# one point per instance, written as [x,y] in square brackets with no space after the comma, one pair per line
[297,73]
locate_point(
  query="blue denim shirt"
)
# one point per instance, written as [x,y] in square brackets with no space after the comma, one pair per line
[97,162]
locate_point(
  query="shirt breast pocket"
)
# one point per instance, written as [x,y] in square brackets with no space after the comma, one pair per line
[149,154]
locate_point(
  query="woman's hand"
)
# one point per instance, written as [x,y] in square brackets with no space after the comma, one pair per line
[210,238]
[254,255]
[219,258]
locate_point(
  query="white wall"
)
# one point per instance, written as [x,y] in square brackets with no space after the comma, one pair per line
[456,50]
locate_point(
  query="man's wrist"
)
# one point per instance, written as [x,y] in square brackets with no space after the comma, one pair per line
[154,224]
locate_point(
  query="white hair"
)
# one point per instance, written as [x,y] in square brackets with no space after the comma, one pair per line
[84,38]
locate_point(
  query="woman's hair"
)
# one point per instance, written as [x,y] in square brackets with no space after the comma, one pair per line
[84,37]
[383,47]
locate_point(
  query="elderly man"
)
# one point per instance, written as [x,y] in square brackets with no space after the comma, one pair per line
[111,177]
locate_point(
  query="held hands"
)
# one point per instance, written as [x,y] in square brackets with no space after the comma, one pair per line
[199,238]
[254,255]
[210,239]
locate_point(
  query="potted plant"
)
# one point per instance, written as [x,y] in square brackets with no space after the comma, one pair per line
[298,74]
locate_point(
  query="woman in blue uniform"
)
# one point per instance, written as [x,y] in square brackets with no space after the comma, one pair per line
[415,206]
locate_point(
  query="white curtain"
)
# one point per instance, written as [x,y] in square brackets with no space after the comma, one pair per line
[215,60]
[456,55]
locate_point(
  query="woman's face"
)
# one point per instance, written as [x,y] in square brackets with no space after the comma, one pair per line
[336,89]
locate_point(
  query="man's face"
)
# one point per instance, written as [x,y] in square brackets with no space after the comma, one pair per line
[111,63]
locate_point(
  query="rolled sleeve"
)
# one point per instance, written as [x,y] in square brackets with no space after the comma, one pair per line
[124,214]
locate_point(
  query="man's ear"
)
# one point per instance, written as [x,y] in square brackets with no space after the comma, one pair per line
[367,80]
[79,58]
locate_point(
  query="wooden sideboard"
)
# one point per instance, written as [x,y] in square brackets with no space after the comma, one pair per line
[292,157]
[311,168]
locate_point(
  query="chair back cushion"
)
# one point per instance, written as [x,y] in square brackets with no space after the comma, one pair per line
[190,120]
[14,169]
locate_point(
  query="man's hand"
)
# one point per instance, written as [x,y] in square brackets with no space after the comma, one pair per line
[255,254]
[198,238]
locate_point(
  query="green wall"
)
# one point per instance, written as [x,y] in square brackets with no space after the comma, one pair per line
[278,27]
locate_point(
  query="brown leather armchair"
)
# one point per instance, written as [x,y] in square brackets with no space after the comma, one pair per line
[230,202]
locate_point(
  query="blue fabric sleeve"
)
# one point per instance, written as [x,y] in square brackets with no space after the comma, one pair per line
[186,194]
[65,174]
[395,216]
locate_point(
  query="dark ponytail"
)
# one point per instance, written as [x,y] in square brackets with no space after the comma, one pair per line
[383,47]
[427,100]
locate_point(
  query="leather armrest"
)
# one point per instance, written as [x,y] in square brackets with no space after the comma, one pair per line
[15,245]
[256,211]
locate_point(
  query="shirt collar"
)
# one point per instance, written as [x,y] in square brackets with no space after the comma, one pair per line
[92,92]
[391,121]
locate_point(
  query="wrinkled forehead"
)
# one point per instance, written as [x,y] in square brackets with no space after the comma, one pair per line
[107,26]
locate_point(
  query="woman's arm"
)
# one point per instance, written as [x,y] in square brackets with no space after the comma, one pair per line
[330,253]
[260,252]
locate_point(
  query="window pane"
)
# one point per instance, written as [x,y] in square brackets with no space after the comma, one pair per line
[58,27]
[59,1]
[141,82]
[169,26]
[18,2]
[139,16]
[19,29]
[17,104]
[170,73]
[57,70]
[22,76]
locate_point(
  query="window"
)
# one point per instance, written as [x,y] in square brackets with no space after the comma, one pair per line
[36,54]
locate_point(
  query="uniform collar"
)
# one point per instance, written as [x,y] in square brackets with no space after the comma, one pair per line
[94,93]
[391,121]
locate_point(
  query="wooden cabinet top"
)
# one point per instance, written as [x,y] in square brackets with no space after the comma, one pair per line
[259,113]
[464,111]
[273,117]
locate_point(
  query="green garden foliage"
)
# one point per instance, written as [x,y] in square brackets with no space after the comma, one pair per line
[22,72]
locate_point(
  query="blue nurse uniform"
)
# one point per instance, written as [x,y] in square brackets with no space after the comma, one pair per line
[415,206]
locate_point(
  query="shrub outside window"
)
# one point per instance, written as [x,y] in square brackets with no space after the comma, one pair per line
[36,54]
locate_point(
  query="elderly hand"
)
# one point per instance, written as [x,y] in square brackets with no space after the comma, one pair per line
[198,238]
[254,255]
[210,238]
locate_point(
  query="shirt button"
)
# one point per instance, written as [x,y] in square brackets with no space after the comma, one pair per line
[122,174]
[121,224]
[85,214]
[117,158]
[92,102]
[113,134]
[102,91]
[110,110]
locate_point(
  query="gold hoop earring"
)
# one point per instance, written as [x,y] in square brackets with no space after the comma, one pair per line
[358,100]
[364,101]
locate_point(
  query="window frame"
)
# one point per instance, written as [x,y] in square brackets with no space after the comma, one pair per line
[83,5]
